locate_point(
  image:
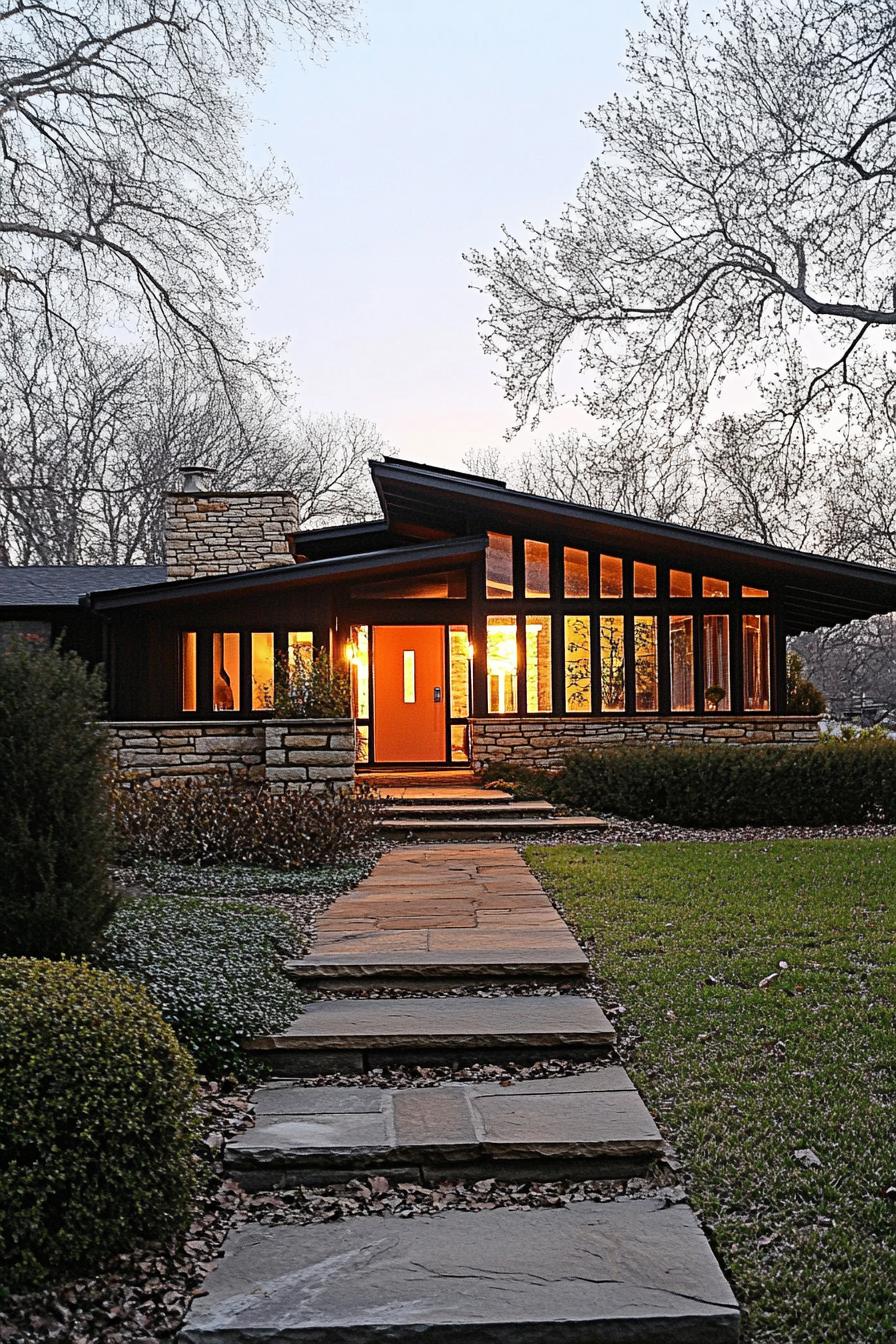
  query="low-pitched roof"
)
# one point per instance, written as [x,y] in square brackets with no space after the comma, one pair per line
[817,590]
[370,564]
[65,585]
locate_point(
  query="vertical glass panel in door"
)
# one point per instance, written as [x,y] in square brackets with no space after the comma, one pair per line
[188,671]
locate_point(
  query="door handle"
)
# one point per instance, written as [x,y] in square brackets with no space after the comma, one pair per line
[437,694]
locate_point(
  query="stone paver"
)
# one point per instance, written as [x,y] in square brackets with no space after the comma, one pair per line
[359,1033]
[626,1272]
[597,1116]
[393,925]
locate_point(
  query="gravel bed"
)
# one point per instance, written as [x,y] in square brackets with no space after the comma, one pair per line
[378,1197]
[624,831]
[419,1075]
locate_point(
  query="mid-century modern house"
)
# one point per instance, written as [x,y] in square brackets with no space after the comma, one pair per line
[478,622]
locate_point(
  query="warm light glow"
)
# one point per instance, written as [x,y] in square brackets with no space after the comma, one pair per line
[460,652]
[537,568]
[645,579]
[612,664]
[188,671]
[225,671]
[538,664]
[262,670]
[501,664]
[681,659]
[577,664]
[715,587]
[610,576]
[470,650]
[756,655]
[409,676]
[359,643]
[646,682]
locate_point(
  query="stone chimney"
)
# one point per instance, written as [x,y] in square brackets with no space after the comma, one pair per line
[209,532]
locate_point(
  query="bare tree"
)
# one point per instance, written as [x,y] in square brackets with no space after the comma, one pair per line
[91,437]
[125,191]
[744,190]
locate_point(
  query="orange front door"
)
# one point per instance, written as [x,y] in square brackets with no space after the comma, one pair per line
[409,693]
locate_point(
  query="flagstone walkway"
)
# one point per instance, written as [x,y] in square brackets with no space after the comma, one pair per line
[609,1270]
[444,911]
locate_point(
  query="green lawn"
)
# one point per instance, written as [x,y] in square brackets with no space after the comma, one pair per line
[740,1077]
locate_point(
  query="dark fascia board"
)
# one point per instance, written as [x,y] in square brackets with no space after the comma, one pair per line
[478,493]
[432,555]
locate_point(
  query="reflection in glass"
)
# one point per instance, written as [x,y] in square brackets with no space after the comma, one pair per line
[460,749]
[188,671]
[577,677]
[362,743]
[754,592]
[538,664]
[610,576]
[359,651]
[646,680]
[459,671]
[681,656]
[225,671]
[716,670]
[262,669]
[501,664]
[575,572]
[612,664]
[645,580]
[715,587]
[537,568]
[756,662]
[300,644]
[680,583]
[499,565]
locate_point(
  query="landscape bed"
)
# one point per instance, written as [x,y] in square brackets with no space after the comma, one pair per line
[756,985]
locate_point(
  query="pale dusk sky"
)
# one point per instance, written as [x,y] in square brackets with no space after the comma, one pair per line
[451,119]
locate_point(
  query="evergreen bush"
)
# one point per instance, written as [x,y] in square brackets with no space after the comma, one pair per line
[97,1123]
[824,784]
[55,825]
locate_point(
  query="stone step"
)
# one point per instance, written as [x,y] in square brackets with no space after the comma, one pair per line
[489,830]
[622,1272]
[446,797]
[585,1126]
[440,970]
[350,1036]
[467,811]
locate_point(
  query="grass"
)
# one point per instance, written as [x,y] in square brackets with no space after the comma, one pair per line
[742,1076]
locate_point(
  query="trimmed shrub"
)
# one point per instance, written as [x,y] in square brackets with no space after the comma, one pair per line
[190,823]
[830,783]
[212,967]
[803,696]
[55,829]
[96,1120]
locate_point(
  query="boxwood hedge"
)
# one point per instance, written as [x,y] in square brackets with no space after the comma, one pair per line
[828,783]
[97,1123]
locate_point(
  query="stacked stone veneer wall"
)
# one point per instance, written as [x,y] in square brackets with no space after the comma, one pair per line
[287,755]
[544,742]
[228,533]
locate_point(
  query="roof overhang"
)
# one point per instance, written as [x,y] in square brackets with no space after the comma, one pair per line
[816,590]
[405,559]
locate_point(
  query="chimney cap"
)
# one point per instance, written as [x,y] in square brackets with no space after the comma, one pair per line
[195,479]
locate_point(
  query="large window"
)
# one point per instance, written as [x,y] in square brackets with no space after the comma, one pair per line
[756,662]
[262,670]
[538,664]
[681,660]
[225,671]
[501,664]
[537,568]
[716,663]
[577,664]
[647,690]
[575,572]
[612,664]
[460,651]
[188,671]
[499,565]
